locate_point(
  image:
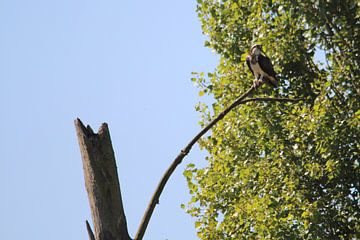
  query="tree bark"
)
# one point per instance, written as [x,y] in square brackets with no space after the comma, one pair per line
[102,184]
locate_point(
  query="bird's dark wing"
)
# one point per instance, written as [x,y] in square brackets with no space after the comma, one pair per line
[266,65]
[248,59]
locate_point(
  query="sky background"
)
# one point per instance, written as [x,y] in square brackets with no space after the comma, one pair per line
[127,63]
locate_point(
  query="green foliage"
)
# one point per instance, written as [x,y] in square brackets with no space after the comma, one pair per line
[280,170]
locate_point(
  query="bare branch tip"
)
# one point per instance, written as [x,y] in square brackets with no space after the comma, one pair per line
[80,126]
[79,123]
[103,128]
[87,131]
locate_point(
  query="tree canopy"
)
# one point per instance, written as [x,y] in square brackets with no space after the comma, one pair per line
[281,170]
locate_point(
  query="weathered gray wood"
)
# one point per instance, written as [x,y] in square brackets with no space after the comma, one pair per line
[102,183]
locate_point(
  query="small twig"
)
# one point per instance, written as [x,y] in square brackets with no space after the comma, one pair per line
[90,232]
[155,198]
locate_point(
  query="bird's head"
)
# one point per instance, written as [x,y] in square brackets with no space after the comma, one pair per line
[255,50]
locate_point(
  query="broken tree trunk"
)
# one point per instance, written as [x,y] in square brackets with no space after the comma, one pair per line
[102,184]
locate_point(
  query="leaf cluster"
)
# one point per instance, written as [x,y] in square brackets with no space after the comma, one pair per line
[277,170]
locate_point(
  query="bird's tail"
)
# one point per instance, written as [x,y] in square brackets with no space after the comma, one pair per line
[273,81]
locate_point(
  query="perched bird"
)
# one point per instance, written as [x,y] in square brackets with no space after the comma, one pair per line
[261,67]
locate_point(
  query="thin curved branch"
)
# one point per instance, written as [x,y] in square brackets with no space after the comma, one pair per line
[155,198]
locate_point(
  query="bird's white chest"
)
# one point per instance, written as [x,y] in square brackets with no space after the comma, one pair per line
[257,69]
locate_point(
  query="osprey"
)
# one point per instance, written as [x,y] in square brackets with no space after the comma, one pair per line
[261,67]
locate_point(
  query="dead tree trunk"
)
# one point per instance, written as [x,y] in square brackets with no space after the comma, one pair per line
[102,184]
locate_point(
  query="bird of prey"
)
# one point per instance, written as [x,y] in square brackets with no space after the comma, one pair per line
[261,67]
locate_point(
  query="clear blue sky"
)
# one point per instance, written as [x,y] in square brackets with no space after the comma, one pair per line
[127,63]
